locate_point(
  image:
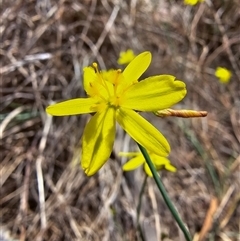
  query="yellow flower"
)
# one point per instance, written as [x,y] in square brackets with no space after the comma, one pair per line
[223,75]
[192,2]
[126,57]
[138,159]
[115,96]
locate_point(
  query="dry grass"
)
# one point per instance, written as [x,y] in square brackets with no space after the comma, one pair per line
[44,46]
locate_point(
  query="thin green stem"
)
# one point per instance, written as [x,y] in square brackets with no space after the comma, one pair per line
[164,194]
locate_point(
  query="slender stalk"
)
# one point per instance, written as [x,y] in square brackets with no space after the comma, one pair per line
[164,194]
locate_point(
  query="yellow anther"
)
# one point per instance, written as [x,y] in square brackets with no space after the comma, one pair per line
[95,66]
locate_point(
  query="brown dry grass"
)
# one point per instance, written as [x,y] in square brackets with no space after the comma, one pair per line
[44,46]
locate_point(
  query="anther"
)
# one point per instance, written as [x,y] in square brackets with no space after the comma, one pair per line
[95,66]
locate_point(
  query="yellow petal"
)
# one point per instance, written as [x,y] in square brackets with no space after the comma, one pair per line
[170,167]
[98,138]
[89,76]
[147,169]
[128,154]
[190,2]
[137,67]
[126,56]
[159,160]
[95,84]
[162,162]
[142,131]
[133,163]
[154,93]
[72,107]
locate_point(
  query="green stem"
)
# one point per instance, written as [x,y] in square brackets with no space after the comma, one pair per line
[164,194]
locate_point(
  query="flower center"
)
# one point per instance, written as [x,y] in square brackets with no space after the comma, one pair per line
[114,101]
[112,83]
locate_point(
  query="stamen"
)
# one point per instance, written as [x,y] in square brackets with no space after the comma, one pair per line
[95,66]
[116,81]
[100,78]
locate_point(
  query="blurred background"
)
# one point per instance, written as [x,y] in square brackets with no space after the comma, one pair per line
[44,193]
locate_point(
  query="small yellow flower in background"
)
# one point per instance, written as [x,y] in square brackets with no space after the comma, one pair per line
[115,96]
[192,2]
[138,159]
[224,75]
[126,57]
